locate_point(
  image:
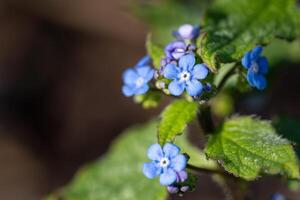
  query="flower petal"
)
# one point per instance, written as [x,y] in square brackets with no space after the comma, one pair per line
[167,177]
[260,82]
[200,71]
[170,71]
[187,61]
[246,60]
[178,163]
[143,71]
[143,61]
[155,152]
[170,150]
[255,53]
[181,176]
[263,65]
[130,76]
[176,88]
[128,91]
[142,90]
[194,88]
[186,31]
[150,170]
[250,77]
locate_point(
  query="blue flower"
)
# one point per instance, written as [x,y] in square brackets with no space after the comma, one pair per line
[177,186]
[136,79]
[257,67]
[187,32]
[175,50]
[186,76]
[278,196]
[166,163]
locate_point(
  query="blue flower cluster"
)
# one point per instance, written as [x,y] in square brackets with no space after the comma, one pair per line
[167,163]
[180,66]
[257,67]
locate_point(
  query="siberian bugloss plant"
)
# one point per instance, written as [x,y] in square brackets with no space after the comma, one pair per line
[199,55]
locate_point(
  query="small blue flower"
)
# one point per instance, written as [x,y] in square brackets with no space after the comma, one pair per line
[175,50]
[187,32]
[166,163]
[257,67]
[186,76]
[176,187]
[136,79]
[278,196]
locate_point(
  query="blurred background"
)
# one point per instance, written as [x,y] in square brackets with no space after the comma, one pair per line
[60,99]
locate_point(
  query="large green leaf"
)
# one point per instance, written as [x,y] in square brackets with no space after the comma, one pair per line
[247,147]
[233,27]
[118,175]
[174,119]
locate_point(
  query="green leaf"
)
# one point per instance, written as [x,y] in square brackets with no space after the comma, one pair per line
[155,51]
[234,27]
[118,174]
[248,147]
[174,119]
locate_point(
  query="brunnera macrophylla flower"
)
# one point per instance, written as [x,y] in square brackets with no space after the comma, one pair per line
[186,76]
[187,32]
[136,79]
[176,187]
[257,67]
[278,196]
[166,163]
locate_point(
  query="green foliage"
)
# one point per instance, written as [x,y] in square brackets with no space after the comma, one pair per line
[290,128]
[234,27]
[175,118]
[149,100]
[155,51]
[166,16]
[118,175]
[247,147]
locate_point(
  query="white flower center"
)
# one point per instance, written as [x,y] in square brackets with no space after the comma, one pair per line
[139,82]
[184,76]
[164,162]
[254,67]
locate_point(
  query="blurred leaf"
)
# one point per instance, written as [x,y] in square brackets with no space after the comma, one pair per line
[234,27]
[174,119]
[247,146]
[222,105]
[289,128]
[279,51]
[118,175]
[149,100]
[155,51]
[167,15]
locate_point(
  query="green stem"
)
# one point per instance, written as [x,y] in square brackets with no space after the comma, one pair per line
[205,170]
[226,77]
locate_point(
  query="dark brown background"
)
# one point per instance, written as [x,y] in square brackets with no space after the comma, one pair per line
[60,99]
